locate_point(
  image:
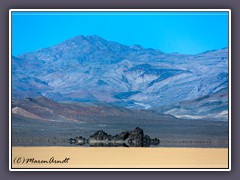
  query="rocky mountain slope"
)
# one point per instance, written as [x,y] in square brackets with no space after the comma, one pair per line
[92,69]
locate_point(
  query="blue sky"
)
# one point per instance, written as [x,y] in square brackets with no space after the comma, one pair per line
[182,32]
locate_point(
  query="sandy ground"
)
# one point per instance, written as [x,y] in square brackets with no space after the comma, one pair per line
[85,157]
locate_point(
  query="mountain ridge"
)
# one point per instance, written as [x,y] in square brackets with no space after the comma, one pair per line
[92,69]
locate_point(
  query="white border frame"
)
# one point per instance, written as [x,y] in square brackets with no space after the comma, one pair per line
[120,10]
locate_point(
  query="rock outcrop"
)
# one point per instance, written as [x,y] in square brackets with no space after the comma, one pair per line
[135,138]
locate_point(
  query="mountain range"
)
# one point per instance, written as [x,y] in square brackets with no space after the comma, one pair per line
[94,70]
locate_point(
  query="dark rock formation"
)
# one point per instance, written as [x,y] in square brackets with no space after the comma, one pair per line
[146,141]
[122,136]
[72,141]
[100,135]
[135,138]
[154,141]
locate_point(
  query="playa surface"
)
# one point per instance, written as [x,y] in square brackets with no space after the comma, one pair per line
[120,157]
[170,132]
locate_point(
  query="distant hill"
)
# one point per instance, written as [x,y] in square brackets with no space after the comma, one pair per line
[44,109]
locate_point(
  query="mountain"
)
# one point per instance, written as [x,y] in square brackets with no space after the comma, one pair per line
[92,69]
